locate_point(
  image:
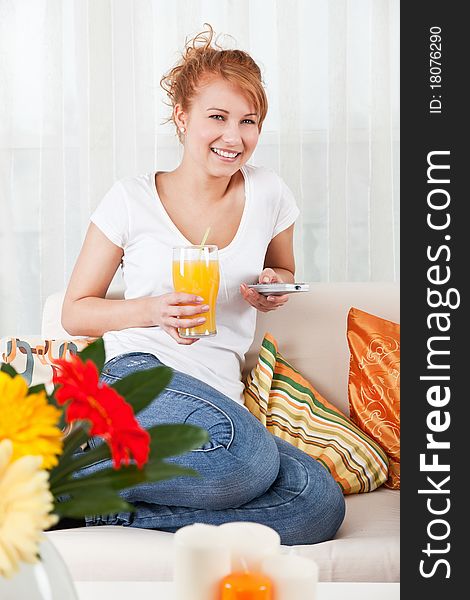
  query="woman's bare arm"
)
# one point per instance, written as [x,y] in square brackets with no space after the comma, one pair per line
[280,255]
[279,266]
[85,310]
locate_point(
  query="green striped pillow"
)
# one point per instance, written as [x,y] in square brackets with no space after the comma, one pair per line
[291,408]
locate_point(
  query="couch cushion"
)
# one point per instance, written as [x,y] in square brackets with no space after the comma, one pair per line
[111,552]
[291,408]
[366,547]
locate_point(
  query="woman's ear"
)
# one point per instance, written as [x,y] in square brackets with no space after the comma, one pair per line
[180,118]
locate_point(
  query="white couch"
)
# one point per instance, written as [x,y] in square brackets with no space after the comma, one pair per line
[311,331]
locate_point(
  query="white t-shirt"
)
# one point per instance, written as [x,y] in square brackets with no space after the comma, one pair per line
[132,216]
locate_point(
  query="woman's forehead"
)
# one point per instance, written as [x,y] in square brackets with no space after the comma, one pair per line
[221,93]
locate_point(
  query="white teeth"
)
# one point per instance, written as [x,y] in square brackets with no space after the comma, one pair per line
[225,154]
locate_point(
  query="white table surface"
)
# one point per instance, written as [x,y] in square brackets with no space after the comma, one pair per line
[152,590]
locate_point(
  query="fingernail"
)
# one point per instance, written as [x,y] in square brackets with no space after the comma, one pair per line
[205,308]
[265,279]
[199,299]
[201,320]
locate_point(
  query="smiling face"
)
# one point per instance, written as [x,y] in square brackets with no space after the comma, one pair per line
[221,128]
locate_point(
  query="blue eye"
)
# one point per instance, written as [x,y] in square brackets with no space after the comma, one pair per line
[249,121]
[217,117]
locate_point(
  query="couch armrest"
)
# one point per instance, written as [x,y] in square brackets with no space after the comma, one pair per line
[51,327]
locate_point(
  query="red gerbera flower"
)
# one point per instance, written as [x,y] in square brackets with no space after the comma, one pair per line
[111,417]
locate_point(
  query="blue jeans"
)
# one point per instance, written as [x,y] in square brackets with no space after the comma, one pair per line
[247,473]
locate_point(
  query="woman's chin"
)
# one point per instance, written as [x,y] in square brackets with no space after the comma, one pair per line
[222,168]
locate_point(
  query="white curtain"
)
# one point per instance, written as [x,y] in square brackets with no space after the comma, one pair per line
[81,106]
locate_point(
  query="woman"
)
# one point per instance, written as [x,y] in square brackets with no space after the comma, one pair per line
[219,105]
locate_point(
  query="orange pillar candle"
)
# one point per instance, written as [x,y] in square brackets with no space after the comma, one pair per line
[246,586]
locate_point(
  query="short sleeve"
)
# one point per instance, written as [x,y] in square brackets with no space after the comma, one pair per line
[111,216]
[288,210]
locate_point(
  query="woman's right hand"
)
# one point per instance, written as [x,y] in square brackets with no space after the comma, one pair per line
[174,310]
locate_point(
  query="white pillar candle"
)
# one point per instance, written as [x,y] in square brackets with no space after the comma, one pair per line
[249,543]
[201,560]
[293,577]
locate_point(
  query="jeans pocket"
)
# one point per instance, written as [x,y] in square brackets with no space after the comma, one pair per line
[125,364]
[110,363]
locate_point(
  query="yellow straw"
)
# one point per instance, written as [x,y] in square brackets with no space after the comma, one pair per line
[206,235]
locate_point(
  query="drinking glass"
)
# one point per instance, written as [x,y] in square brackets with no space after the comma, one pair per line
[196,271]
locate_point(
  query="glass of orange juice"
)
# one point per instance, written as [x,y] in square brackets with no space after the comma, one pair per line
[196,271]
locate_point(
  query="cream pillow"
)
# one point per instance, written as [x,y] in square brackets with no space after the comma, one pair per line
[32,357]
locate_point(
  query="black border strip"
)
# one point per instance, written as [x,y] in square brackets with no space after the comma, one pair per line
[435,255]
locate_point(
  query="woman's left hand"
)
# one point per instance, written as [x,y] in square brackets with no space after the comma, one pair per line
[260,302]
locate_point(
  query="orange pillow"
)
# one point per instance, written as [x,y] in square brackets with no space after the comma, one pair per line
[374,383]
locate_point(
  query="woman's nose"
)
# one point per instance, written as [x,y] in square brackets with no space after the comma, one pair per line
[231,133]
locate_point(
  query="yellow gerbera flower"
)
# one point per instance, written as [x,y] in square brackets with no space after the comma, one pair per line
[25,504]
[29,421]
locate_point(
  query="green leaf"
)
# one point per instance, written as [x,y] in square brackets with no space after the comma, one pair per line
[158,470]
[78,436]
[102,502]
[165,441]
[123,478]
[141,387]
[89,457]
[8,369]
[175,439]
[35,389]
[95,353]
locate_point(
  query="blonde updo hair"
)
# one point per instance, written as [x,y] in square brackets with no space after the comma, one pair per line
[203,58]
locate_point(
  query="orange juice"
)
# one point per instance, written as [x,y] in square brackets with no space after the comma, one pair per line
[246,586]
[198,273]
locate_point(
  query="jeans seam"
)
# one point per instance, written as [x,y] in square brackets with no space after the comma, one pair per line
[201,449]
[152,519]
[109,376]
[298,493]
[218,410]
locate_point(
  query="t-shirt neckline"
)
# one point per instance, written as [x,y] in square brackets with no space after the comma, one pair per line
[175,229]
